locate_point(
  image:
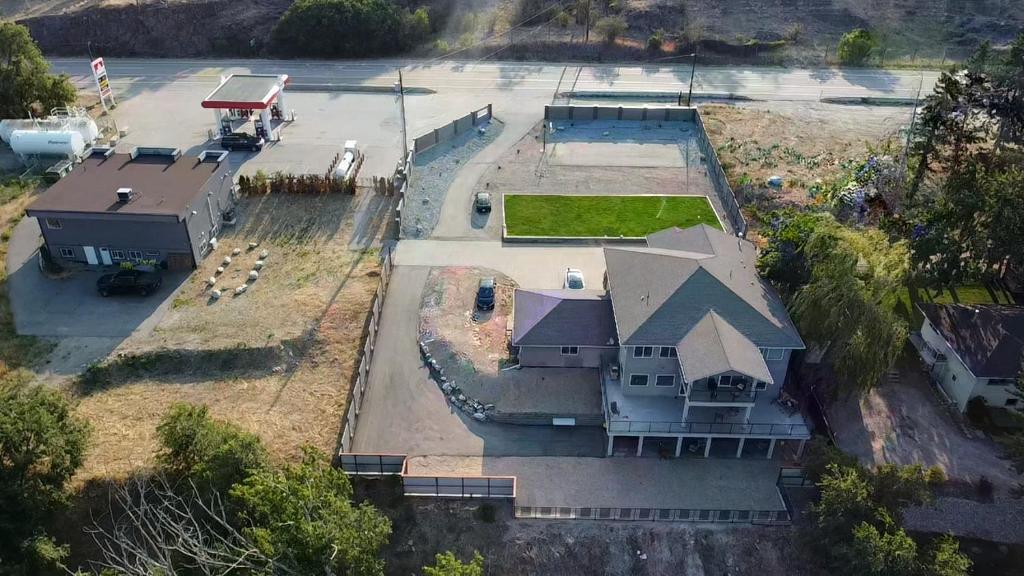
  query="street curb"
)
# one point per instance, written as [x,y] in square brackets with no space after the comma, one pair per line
[870,100]
[650,95]
[305,87]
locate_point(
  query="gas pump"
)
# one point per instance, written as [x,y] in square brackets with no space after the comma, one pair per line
[225,125]
[261,131]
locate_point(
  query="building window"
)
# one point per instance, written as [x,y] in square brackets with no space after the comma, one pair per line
[665,380]
[772,353]
[117,254]
[135,254]
[54,223]
[153,253]
[643,351]
[667,352]
[570,350]
[638,379]
[67,252]
[725,381]
[1001,382]
[761,386]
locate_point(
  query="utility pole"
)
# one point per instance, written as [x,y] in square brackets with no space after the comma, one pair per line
[693,71]
[586,35]
[400,89]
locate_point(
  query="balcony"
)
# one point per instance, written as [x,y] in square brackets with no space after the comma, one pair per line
[742,394]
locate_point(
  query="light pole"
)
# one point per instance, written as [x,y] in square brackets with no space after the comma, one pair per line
[693,71]
[400,89]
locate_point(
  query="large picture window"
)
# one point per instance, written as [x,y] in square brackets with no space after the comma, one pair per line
[638,380]
[643,351]
[667,352]
[665,380]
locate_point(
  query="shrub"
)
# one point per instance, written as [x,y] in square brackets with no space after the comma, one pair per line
[977,412]
[487,513]
[563,19]
[856,46]
[416,26]
[611,27]
[339,28]
[441,46]
[656,41]
[794,32]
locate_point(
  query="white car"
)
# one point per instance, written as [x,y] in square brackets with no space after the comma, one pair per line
[574,279]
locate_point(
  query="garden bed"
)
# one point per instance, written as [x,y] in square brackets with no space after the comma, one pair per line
[603,216]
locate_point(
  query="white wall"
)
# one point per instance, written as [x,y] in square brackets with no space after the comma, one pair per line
[953,375]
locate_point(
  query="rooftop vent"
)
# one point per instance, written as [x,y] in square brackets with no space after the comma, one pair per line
[124,195]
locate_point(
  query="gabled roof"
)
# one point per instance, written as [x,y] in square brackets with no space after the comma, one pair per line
[661,291]
[714,347]
[988,338]
[563,318]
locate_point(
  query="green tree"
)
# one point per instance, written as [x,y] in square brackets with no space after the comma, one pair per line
[611,27]
[25,83]
[448,565]
[303,516]
[213,455]
[856,46]
[943,558]
[41,446]
[416,26]
[339,29]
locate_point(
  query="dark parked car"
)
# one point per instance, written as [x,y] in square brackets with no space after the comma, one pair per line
[482,204]
[241,141]
[141,282]
[485,294]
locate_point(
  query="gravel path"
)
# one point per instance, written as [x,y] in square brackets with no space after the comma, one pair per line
[433,173]
[999,521]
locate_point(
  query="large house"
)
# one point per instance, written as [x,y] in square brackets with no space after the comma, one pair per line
[973,350]
[693,345]
[150,204]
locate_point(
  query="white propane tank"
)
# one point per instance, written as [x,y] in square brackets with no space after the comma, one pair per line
[86,127]
[348,159]
[42,143]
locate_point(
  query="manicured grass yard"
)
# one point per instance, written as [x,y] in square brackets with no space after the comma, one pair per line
[966,294]
[550,215]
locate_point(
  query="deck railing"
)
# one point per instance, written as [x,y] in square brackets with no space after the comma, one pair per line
[712,428]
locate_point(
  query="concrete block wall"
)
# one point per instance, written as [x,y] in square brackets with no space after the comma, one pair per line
[451,129]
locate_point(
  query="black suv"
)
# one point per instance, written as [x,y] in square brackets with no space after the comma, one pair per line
[485,294]
[140,282]
[241,141]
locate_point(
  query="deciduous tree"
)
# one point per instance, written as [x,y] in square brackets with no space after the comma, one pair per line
[448,565]
[26,86]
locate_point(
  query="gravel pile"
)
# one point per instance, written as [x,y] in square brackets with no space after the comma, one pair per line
[998,521]
[433,173]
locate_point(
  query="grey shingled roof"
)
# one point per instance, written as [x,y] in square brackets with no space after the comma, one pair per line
[563,318]
[988,338]
[714,347]
[660,292]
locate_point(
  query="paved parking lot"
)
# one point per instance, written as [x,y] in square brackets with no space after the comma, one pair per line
[71,306]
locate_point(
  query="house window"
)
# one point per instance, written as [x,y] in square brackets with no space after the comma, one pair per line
[135,254]
[1001,382]
[54,223]
[772,353]
[67,252]
[117,254]
[665,380]
[643,351]
[725,381]
[761,386]
[570,350]
[638,380]
[667,352]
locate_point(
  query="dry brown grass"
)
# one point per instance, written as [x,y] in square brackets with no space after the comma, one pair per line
[306,312]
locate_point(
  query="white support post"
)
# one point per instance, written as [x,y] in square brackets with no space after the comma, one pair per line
[739,449]
[218,117]
[771,448]
[800,450]
[611,441]
[640,446]
[746,417]
[679,446]
[686,407]
[280,99]
[265,118]
[707,447]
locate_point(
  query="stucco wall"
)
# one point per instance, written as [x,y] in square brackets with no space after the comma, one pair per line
[652,367]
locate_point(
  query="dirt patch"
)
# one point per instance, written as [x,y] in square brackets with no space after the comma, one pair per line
[424,527]
[800,145]
[277,360]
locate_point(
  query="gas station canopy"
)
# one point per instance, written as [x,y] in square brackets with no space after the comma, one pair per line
[246,92]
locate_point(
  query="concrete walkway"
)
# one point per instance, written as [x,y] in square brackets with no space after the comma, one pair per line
[531,266]
[404,411]
[725,484]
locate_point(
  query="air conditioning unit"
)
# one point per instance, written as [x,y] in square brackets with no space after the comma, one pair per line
[124,195]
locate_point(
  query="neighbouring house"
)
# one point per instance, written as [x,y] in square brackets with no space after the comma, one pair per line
[694,347]
[150,204]
[973,350]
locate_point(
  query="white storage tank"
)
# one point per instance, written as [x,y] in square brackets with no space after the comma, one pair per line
[348,159]
[85,126]
[67,143]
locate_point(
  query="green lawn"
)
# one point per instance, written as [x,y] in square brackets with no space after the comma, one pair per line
[571,216]
[966,294]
